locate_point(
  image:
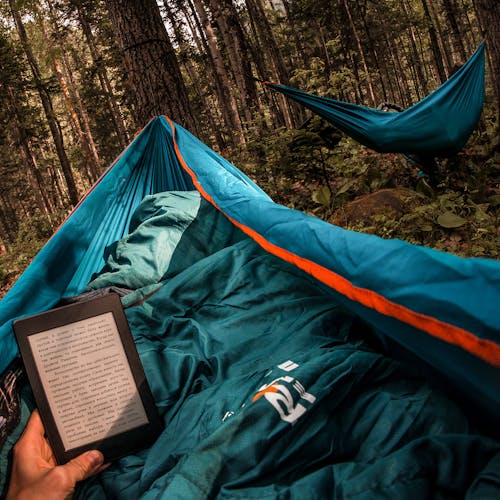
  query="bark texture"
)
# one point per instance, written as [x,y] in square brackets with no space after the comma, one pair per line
[226,17]
[489,17]
[150,62]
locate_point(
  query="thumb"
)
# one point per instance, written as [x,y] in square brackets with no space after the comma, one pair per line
[84,465]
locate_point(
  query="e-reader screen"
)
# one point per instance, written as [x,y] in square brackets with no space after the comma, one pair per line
[87,379]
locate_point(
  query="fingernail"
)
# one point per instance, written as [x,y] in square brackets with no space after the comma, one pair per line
[96,458]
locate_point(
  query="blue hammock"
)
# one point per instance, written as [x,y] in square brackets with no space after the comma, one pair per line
[438,125]
[441,308]
[248,348]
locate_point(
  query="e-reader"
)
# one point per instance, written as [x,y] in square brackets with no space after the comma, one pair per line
[87,379]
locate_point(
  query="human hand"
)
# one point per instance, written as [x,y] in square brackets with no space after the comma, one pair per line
[35,473]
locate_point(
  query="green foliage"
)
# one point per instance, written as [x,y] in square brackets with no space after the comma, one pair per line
[32,234]
[452,222]
[323,196]
[460,214]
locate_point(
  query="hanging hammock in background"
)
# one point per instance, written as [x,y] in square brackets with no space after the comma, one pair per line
[438,125]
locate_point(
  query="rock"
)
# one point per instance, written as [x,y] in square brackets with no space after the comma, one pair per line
[389,202]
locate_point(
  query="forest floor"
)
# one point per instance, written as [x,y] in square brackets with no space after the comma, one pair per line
[453,206]
[456,209]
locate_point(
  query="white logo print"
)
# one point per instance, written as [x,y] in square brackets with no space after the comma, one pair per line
[289,407]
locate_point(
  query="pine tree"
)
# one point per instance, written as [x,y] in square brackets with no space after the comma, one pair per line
[152,68]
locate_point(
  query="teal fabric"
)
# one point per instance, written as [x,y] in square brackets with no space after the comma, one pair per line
[75,252]
[460,292]
[66,263]
[340,420]
[150,254]
[438,125]
[143,257]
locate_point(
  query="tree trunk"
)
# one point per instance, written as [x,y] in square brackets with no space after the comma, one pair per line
[8,235]
[226,17]
[224,93]
[54,125]
[429,73]
[273,54]
[35,179]
[414,56]
[9,218]
[33,173]
[94,161]
[470,30]
[102,75]
[264,72]
[456,38]
[357,97]
[200,88]
[436,51]
[489,19]
[76,109]
[373,50]
[298,43]
[320,35]
[56,186]
[361,53]
[151,64]
[445,49]
[399,73]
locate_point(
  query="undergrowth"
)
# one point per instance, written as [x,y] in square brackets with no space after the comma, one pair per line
[456,209]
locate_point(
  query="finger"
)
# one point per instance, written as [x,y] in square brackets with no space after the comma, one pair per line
[83,466]
[34,427]
[31,440]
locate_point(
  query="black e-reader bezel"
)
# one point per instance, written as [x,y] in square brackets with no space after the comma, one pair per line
[112,447]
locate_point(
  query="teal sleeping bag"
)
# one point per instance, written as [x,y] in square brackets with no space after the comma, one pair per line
[267,387]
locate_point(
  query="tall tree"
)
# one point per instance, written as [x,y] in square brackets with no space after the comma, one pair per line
[200,86]
[445,48]
[489,18]
[102,72]
[361,53]
[152,68]
[436,50]
[450,10]
[21,136]
[222,84]
[63,72]
[227,20]
[272,53]
[290,16]
[54,125]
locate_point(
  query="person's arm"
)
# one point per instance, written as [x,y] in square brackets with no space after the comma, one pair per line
[35,473]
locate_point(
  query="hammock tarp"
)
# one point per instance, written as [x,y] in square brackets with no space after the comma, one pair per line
[438,125]
[212,330]
[441,307]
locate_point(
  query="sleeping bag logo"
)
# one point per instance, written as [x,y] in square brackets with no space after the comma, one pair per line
[288,397]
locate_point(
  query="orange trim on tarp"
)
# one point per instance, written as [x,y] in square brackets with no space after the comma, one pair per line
[485,349]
